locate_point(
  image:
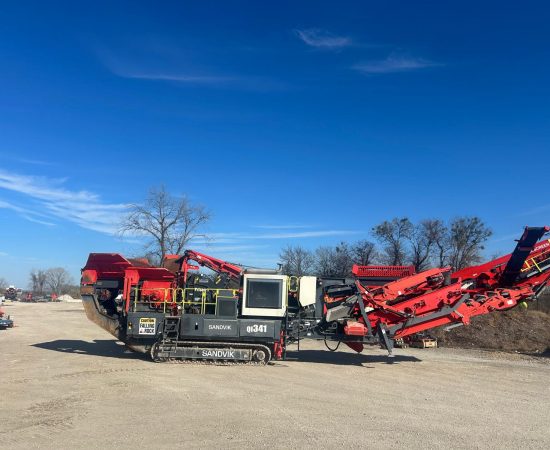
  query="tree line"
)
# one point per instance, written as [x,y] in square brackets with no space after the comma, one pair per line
[168,224]
[47,281]
[54,280]
[427,243]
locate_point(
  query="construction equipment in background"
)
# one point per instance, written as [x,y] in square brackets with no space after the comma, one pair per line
[244,315]
[11,293]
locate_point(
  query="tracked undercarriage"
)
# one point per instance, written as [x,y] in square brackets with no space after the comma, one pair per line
[218,353]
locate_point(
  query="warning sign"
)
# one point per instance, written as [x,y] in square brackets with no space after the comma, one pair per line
[147,325]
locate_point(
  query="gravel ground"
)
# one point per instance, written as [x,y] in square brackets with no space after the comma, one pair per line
[68,384]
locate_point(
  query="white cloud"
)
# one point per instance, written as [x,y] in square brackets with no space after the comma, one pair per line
[150,67]
[142,67]
[35,162]
[251,83]
[303,234]
[7,205]
[22,160]
[394,64]
[52,199]
[223,237]
[234,248]
[283,227]
[28,214]
[177,77]
[31,218]
[317,38]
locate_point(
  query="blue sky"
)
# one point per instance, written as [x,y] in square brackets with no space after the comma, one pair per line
[294,123]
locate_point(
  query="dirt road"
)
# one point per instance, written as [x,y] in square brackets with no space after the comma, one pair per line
[68,384]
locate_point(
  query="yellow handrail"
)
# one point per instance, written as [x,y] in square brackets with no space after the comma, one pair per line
[536,261]
[178,296]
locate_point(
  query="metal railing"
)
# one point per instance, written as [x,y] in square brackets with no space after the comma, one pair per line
[536,262]
[185,299]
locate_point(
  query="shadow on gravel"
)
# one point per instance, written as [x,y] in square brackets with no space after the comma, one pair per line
[106,348]
[111,349]
[348,359]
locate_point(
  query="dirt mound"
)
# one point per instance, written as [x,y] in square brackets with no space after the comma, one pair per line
[518,330]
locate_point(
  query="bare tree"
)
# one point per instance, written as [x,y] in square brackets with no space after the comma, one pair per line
[393,235]
[297,260]
[343,260]
[57,280]
[324,261]
[466,239]
[334,261]
[169,222]
[423,239]
[364,253]
[3,285]
[439,233]
[37,281]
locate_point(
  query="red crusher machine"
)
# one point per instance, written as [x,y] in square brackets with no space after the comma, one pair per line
[236,314]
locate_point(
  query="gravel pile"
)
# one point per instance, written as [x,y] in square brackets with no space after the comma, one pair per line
[517,330]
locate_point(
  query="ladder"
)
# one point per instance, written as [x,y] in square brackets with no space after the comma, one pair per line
[170,333]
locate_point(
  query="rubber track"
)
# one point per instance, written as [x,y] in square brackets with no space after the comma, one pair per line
[215,362]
